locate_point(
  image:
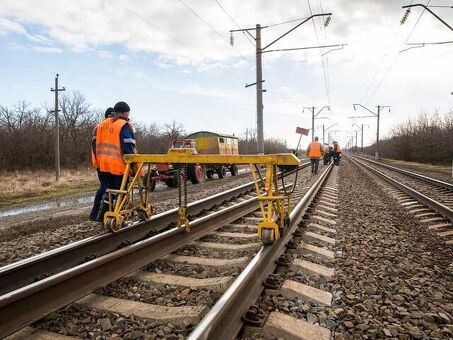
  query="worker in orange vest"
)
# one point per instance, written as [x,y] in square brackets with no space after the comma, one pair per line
[114,138]
[103,183]
[336,153]
[314,152]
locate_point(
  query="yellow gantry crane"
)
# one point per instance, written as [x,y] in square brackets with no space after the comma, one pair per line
[274,206]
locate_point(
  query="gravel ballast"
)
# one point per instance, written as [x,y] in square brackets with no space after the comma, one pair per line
[397,275]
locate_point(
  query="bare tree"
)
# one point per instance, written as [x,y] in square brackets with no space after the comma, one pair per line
[173,131]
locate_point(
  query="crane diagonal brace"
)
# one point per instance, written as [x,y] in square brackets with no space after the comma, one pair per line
[272,203]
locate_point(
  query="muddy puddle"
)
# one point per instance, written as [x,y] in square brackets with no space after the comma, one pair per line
[55,204]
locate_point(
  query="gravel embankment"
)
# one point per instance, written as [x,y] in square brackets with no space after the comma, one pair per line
[397,275]
[16,244]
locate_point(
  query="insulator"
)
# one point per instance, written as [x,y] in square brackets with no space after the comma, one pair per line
[406,14]
[327,21]
[231,39]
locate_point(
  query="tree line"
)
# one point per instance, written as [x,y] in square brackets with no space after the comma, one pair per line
[425,138]
[27,135]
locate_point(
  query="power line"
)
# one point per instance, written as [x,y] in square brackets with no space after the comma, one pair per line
[214,30]
[396,57]
[151,24]
[286,22]
[28,80]
[381,63]
[26,66]
[322,58]
[24,81]
[248,38]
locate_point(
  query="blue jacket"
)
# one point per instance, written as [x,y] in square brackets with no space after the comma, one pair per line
[127,139]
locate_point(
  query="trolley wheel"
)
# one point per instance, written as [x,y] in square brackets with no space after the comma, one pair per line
[196,173]
[267,236]
[112,224]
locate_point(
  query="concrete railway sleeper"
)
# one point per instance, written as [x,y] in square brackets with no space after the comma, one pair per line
[70,284]
[439,191]
[235,309]
[33,269]
[435,215]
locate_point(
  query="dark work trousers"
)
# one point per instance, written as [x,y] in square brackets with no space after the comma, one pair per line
[314,165]
[106,181]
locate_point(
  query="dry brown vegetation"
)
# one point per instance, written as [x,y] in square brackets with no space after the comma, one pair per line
[27,136]
[26,185]
[424,139]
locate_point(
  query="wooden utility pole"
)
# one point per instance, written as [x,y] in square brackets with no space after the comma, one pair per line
[57,129]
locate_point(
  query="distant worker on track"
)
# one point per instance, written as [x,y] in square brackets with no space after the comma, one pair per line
[336,153]
[314,152]
[102,180]
[114,138]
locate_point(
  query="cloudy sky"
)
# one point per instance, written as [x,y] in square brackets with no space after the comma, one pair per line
[171,60]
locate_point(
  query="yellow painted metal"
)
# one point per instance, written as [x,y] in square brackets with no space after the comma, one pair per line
[272,205]
[182,219]
[274,208]
[214,144]
[189,156]
[124,202]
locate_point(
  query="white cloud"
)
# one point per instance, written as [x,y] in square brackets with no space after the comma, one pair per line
[183,44]
[105,54]
[8,26]
[41,49]
[222,93]
[124,57]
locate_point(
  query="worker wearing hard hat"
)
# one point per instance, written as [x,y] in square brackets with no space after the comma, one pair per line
[314,152]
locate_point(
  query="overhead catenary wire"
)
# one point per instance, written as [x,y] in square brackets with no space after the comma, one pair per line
[381,63]
[149,22]
[215,31]
[389,69]
[25,81]
[322,58]
[273,69]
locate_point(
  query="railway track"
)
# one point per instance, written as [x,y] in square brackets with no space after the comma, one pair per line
[55,279]
[428,199]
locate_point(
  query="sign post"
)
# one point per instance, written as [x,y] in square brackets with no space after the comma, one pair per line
[302,132]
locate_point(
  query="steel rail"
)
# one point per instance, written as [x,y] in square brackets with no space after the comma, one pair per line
[224,320]
[433,204]
[415,175]
[27,271]
[25,305]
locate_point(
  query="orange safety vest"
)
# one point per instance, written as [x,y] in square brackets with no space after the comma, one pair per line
[108,146]
[94,161]
[315,150]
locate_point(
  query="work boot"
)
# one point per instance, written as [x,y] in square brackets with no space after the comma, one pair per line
[103,208]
